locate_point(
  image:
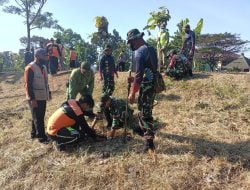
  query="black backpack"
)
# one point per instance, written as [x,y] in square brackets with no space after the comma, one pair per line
[159,84]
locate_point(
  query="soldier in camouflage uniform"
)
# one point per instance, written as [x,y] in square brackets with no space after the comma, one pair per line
[188,47]
[107,70]
[145,60]
[115,112]
[178,66]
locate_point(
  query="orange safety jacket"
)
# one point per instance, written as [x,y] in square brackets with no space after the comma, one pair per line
[69,114]
[53,50]
[72,54]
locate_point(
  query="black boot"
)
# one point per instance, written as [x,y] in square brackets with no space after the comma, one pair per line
[190,72]
[149,145]
[108,118]
[58,147]
[138,131]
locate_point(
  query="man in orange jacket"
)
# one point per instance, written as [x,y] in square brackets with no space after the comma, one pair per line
[68,125]
[72,58]
[54,56]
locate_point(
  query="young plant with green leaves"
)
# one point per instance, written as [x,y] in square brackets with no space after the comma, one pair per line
[158,18]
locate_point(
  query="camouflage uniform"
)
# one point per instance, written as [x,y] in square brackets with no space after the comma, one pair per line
[178,66]
[107,70]
[108,85]
[116,113]
[144,80]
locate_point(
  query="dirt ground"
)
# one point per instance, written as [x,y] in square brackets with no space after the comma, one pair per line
[203,140]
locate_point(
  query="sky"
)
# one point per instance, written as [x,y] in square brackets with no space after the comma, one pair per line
[219,16]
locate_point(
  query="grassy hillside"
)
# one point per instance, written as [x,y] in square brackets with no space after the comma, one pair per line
[203,141]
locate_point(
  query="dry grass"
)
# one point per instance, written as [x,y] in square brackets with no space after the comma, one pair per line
[203,141]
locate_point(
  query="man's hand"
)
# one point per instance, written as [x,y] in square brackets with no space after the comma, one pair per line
[191,53]
[130,79]
[131,98]
[33,103]
[99,116]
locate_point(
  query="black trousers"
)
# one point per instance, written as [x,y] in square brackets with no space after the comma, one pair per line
[38,113]
[121,66]
[66,136]
[72,64]
[53,65]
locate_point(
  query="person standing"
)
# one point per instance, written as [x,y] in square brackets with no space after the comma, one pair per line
[72,58]
[28,57]
[162,43]
[54,54]
[121,62]
[107,70]
[145,60]
[37,92]
[61,47]
[188,46]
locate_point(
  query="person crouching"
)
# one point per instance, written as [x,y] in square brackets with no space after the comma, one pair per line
[67,125]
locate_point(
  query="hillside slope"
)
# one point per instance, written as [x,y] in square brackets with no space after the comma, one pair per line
[203,141]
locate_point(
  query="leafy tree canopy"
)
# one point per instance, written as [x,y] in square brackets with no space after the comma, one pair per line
[158,18]
[31,11]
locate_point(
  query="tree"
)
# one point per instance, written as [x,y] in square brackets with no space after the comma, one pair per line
[220,47]
[18,64]
[86,52]
[158,18]
[1,62]
[34,41]
[102,37]
[68,38]
[101,23]
[31,11]
[152,42]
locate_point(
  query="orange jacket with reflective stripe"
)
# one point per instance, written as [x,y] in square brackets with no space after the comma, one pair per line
[53,50]
[64,117]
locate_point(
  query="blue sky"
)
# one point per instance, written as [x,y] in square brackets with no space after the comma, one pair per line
[219,16]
